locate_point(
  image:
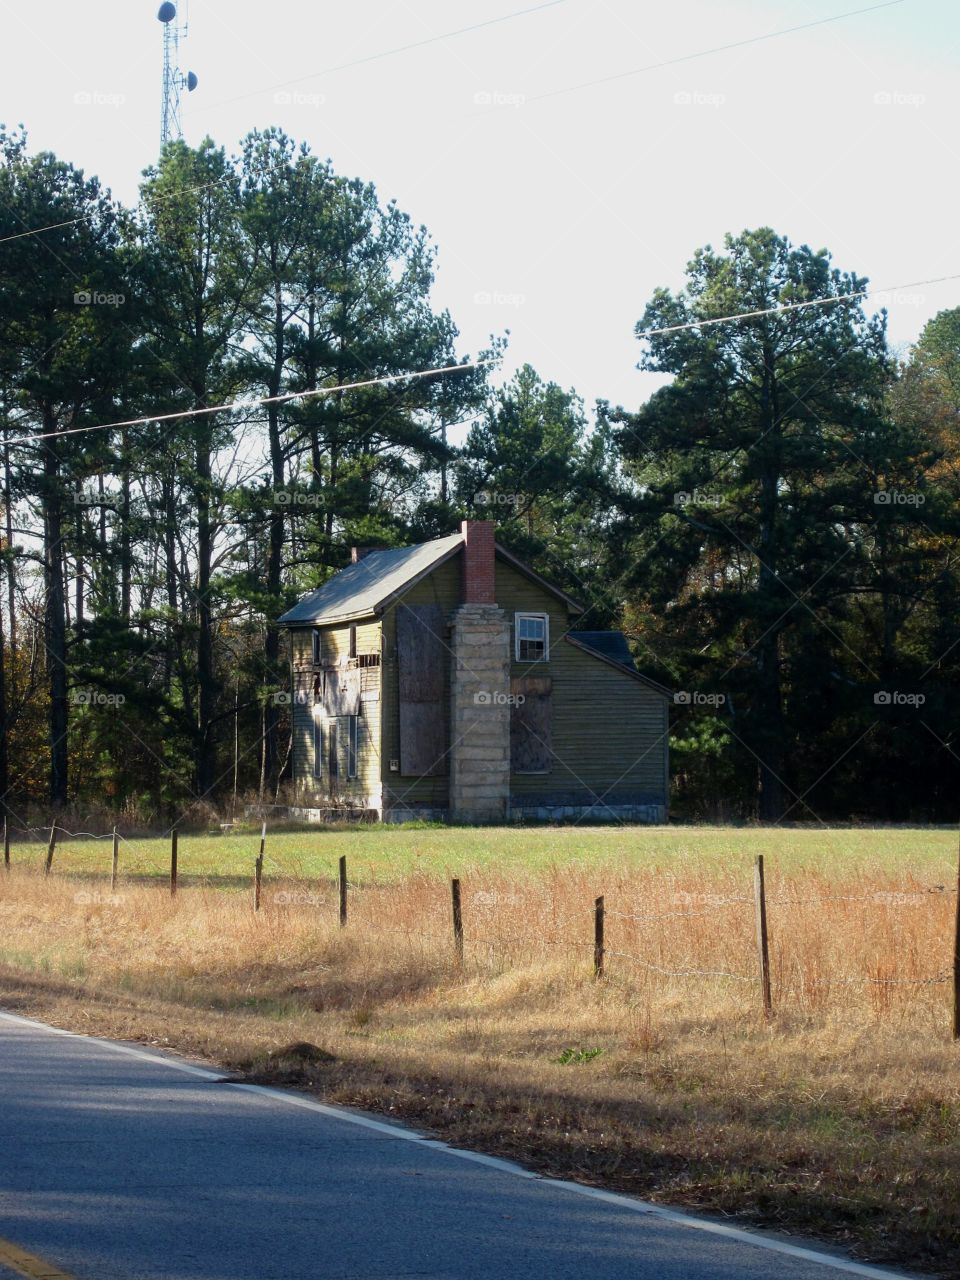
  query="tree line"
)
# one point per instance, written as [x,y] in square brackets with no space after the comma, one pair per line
[775,529]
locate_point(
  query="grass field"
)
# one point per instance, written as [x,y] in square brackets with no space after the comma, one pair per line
[840,1117]
[384,852]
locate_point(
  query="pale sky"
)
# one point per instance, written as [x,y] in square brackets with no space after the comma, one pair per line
[556,214]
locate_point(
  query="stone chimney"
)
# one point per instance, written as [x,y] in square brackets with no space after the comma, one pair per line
[478,562]
[479,687]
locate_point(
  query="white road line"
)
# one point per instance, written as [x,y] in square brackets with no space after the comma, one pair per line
[674,1216]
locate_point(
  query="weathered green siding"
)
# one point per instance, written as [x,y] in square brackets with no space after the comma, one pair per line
[335,643]
[608,728]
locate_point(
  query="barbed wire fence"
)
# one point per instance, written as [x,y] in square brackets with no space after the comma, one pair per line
[462,934]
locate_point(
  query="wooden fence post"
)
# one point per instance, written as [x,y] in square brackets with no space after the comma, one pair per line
[956,964]
[50,847]
[173,863]
[116,859]
[457,920]
[6,845]
[257,881]
[599,913]
[342,878]
[763,947]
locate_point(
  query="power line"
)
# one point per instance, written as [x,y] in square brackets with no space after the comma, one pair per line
[791,306]
[252,403]
[703,53]
[446,35]
[343,66]
[389,53]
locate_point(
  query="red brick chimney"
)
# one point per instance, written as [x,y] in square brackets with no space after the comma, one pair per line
[478,562]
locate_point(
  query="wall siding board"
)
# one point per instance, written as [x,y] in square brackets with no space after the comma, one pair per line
[607,728]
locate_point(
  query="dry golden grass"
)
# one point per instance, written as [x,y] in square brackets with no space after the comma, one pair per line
[841,1117]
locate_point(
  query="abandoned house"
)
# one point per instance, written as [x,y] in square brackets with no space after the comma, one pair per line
[447,681]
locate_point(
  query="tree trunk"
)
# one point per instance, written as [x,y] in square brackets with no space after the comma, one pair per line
[770,739]
[4,759]
[11,571]
[769,734]
[125,559]
[54,627]
[269,746]
[206,765]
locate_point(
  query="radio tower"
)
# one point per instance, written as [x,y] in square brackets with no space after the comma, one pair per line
[174,79]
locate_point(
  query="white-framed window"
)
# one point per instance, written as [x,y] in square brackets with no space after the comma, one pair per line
[317,646]
[531,637]
[317,747]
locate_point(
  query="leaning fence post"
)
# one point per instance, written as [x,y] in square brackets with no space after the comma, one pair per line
[50,848]
[763,947]
[599,913]
[257,880]
[342,874]
[173,862]
[6,845]
[457,920]
[116,859]
[956,964]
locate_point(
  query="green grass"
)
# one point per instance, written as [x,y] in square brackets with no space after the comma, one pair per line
[387,853]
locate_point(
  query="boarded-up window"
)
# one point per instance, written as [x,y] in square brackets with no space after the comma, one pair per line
[422,657]
[348,743]
[341,691]
[530,750]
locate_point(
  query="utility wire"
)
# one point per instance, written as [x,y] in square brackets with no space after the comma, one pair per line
[389,53]
[446,35]
[703,53]
[791,306]
[252,403]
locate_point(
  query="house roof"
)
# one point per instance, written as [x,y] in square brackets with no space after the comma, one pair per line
[363,589]
[608,644]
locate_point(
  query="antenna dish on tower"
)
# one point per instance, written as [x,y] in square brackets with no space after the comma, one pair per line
[174,80]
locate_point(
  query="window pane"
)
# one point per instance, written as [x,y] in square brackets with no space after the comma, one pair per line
[531,632]
[318,748]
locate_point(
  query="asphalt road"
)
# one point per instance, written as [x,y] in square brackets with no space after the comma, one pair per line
[117,1163]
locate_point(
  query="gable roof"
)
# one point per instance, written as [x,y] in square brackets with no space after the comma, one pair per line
[608,644]
[364,588]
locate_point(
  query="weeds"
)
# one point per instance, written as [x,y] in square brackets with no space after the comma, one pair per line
[841,1118]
